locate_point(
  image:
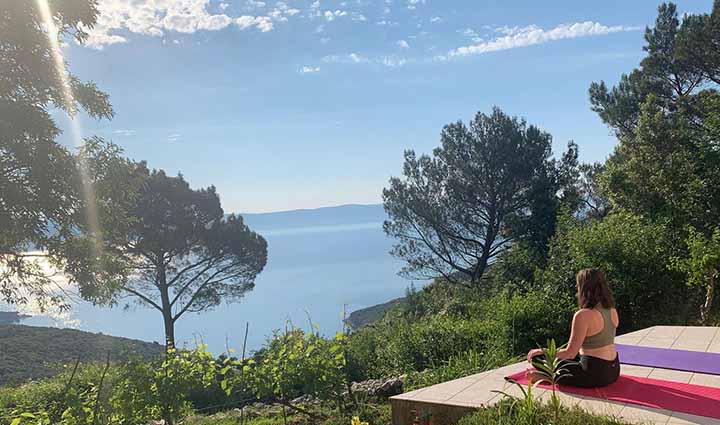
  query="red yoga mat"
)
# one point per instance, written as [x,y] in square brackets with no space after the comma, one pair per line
[655,393]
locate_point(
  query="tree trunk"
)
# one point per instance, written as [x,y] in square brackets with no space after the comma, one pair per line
[709,297]
[168,320]
[169,329]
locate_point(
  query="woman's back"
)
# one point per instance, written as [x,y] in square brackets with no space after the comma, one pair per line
[600,338]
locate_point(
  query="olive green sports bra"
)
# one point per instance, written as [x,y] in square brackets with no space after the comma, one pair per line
[606,336]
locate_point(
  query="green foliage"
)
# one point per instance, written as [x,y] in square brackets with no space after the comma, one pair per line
[520,321]
[393,348]
[551,370]
[41,200]
[702,265]
[131,393]
[296,363]
[665,114]
[146,391]
[509,413]
[634,253]
[74,397]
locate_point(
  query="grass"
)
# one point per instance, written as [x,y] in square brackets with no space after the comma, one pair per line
[508,414]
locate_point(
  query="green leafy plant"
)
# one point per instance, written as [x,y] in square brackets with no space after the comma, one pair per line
[298,363]
[551,370]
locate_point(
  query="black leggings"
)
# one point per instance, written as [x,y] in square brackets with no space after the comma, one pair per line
[587,371]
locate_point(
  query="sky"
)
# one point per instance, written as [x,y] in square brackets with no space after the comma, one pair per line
[308,103]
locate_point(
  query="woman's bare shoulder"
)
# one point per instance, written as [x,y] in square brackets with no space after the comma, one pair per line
[583,313]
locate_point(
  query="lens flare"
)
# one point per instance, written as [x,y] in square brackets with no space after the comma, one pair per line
[88,191]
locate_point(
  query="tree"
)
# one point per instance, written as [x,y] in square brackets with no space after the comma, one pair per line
[40,200]
[666,115]
[486,186]
[635,254]
[178,253]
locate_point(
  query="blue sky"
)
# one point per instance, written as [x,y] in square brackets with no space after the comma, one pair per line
[301,104]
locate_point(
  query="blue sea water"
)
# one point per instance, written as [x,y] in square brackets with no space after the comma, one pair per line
[313,274]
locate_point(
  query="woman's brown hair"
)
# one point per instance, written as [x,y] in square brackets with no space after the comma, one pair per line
[593,289]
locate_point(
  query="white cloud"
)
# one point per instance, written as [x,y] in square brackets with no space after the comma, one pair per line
[393,61]
[515,37]
[386,23]
[358,17]
[252,4]
[173,137]
[349,58]
[309,69]
[403,44]
[263,23]
[412,4]
[436,20]
[357,58]
[124,132]
[332,15]
[157,17]
[100,40]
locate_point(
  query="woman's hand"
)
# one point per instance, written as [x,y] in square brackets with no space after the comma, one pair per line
[534,352]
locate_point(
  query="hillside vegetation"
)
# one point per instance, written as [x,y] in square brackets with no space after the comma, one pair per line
[30,352]
[499,223]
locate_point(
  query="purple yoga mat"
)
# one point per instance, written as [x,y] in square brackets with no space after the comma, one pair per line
[665,358]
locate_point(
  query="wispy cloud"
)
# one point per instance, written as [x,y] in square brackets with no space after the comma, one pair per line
[309,70]
[355,58]
[252,4]
[173,137]
[124,132]
[436,20]
[349,58]
[516,37]
[263,23]
[393,61]
[386,23]
[403,44]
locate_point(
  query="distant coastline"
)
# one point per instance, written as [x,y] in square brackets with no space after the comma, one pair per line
[366,316]
[11,317]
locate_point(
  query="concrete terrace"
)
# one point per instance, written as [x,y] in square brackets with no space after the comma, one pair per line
[450,400]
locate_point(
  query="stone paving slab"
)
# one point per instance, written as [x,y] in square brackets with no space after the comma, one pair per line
[479,390]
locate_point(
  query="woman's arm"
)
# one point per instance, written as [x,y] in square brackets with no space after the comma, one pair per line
[578,331]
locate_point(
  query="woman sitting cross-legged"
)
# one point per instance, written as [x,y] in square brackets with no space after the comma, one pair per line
[590,359]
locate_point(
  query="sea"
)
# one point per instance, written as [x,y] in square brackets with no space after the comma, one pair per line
[322,265]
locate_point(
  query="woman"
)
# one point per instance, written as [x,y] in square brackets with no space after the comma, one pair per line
[590,357]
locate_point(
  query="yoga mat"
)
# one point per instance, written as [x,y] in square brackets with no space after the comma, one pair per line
[689,361]
[655,393]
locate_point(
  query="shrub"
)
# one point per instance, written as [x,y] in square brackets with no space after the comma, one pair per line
[634,253]
[296,363]
[521,321]
[63,397]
